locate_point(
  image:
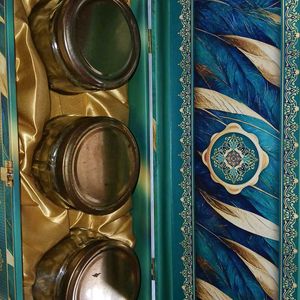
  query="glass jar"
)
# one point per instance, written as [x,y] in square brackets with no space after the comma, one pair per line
[86,44]
[88,266]
[87,163]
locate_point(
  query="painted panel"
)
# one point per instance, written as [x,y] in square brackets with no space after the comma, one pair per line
[10,250]
[290,82]
[4,277]
[172,99]
[237,148]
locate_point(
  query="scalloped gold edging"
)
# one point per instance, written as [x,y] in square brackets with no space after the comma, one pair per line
[186,143]
[290,140]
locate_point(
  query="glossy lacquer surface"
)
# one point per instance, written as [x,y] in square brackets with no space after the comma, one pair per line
[237,148]
[171,51]
[246,149]
[10,249]
[172,92]
[161,97]
[161,121]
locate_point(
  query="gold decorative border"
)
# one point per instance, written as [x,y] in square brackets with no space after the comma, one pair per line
[290,133]
[186,111]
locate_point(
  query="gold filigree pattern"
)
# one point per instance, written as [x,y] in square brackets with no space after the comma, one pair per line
[235,158]
[186,142]
[290,151]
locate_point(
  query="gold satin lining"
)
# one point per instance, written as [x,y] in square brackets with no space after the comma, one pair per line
[43,223]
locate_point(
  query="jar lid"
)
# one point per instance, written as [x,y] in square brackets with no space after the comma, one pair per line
[98,42]
[106,269]
[100,164]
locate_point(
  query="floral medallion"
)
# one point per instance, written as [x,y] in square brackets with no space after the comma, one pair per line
[235,158]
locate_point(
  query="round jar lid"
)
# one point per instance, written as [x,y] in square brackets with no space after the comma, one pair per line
[98,41]
[100,165]
[103,270]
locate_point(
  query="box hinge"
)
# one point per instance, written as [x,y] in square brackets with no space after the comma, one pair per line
[149,40]
[6,173]
[153,268]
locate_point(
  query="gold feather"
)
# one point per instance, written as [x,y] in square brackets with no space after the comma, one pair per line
[274,17]
[265,57]
[206,291]
[205,266]
[264,271]
[209,99]
[204,71]
[244,219]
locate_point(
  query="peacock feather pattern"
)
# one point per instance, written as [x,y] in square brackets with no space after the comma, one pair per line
[237,80]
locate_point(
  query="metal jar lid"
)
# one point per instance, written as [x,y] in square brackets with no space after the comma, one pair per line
[99,163]
[97,41]
[107,269]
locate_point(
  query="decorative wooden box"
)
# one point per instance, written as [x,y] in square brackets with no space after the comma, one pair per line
[214,106]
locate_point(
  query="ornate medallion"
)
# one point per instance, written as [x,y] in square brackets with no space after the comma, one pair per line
[235,158]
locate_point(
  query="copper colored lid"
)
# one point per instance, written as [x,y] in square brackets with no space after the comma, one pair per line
[98,42]
[100,165]
[103,270]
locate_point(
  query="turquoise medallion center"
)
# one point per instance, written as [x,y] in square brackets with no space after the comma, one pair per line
[234,158]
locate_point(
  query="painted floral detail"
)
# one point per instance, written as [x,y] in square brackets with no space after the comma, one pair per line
[234,158]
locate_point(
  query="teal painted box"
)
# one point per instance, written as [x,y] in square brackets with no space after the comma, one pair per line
[181,242]
[162,125]
[246,141]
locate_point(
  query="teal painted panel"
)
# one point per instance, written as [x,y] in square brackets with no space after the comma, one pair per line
[173,102]
[2,31]
[169,115]
[3,232]
[9,207]
[11,284]
[2,8]
[290,176]
[10,227]
[5,124]
[9,238]
[139,123]
[3,270]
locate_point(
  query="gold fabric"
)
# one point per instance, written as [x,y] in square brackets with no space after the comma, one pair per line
[43,223]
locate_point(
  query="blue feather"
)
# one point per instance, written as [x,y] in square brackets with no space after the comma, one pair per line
[249,199]
[243,18]
[234,278]
[232,74]
[242,4]
[206,216]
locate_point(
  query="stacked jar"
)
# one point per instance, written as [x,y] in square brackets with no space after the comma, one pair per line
[90,164]
[87,266]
